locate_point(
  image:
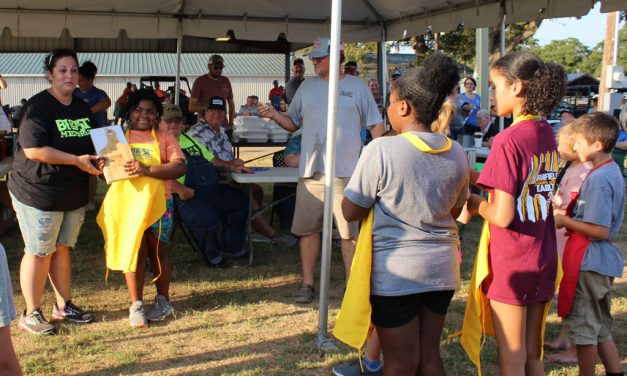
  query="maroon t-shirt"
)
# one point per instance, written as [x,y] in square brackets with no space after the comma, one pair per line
[523,257]
[204,88]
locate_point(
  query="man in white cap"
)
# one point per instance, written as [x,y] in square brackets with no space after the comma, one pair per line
[308,112]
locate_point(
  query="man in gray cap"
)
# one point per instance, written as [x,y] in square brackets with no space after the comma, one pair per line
[213,84]
[298,71]
[308,112]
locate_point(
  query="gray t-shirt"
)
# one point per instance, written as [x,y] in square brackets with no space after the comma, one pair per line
[291,86]
[601,201]
[308,110]
[7,309]
[415,238]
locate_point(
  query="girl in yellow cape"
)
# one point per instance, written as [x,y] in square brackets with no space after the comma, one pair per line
[416,183]
[516,268]
[136,214]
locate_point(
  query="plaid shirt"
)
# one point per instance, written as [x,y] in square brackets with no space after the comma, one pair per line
[216,142]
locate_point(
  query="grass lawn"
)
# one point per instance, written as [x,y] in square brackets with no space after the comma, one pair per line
[238,321]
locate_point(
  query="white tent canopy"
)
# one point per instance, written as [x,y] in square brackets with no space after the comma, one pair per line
[266,20]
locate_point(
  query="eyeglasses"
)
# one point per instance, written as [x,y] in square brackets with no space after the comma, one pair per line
[217,68]
[147,111]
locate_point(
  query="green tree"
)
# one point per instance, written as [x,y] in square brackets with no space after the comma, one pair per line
[461,43]
[576,57]
[592,64]
[570,53]
[357,52]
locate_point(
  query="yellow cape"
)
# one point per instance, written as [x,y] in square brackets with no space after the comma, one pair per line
[353,325]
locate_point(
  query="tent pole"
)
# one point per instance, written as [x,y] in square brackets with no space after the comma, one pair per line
[501,118]
[179,42]
[326,344]
[287,66]
[481,72]
[382,66]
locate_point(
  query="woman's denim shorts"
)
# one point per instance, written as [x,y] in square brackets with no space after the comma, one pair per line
[43,230]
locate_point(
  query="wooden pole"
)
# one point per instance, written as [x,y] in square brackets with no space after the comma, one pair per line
[608,52]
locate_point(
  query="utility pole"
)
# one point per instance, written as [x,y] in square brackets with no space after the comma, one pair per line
[608,58]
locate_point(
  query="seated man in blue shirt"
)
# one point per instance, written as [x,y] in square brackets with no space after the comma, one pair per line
[202,202]
[211,134]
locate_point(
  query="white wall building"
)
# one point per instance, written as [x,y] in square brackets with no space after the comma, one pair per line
[250,74]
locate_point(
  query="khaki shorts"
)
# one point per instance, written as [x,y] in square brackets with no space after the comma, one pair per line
[310,207]
[589,321]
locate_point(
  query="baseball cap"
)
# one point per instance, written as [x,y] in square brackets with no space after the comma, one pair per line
[216,103]
[351,65]
[216,60]
[397,72]
[171,111]
[322,48]
[298,60]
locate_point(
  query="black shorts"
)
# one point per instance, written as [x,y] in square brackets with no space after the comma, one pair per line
[395,311]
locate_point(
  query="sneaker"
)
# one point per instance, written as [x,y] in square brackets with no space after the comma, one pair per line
[35,323]
[71,313]
[284,239]
[352,369]
[304,294]
[161,309]
[137,315]
[241,254]
[223,264]
[257,237]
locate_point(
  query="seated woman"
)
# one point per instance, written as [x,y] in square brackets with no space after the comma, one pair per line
[202,203]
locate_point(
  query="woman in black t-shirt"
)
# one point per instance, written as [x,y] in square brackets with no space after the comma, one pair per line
[49,188]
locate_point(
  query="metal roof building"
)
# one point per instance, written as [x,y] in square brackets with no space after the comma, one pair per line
[250,74]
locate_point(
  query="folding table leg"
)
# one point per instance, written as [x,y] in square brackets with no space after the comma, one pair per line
[251,252]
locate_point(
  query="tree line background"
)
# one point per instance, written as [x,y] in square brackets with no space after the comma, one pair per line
[575,56]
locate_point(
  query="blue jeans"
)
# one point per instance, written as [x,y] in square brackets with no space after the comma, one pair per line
[204,214]
[212,206]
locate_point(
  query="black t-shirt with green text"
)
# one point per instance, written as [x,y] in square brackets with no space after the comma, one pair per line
[48,122]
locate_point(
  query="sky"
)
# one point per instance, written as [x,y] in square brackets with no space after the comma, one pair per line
[589,29]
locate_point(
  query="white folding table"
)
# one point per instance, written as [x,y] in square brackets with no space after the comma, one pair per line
[267,175]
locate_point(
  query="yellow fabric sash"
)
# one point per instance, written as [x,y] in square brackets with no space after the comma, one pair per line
[478,316]
[129,208]
[353,325]
[423,147]
[520,118]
